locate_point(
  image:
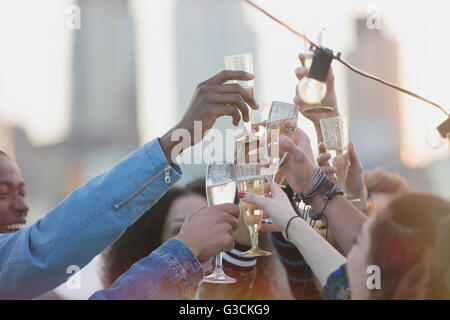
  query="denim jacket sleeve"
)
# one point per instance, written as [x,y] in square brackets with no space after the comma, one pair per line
[167,273]
[36,259]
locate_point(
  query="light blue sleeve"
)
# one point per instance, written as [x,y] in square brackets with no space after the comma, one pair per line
[168,273]
[35,259]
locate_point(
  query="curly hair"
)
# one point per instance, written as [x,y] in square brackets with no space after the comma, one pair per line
[145,235]
[139,240]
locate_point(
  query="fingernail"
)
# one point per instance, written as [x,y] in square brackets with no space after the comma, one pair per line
[249,75]
[283,138]
[241,195]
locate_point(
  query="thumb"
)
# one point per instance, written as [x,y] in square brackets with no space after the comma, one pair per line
[275,190]
[258,200]
[288,146]
[355,163]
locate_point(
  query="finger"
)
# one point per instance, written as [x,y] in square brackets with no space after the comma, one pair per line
[330,80]
[322,148]
[329,171]
[299,135]
[355,163]
[236,88]
[234,222]
[227,75]
[232,111]
[302,58]
[301,72]
[275,190]
[258,200]
[323,159]
[288,146]
[233,99]
[298,101]
[230,208]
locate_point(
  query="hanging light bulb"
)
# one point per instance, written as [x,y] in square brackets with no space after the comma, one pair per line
[434,140]
[312,89]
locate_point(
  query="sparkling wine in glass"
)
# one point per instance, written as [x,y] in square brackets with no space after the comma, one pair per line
[251,178]
[336,139]
[220,189]
[282,121]
[242,62]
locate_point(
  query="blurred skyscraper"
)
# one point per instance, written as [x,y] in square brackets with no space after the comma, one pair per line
[103,108]
[103,76]
[374,108]
[206,32]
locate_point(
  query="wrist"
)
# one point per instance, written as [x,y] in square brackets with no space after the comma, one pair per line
[309,172]
[168,144]
[195,251]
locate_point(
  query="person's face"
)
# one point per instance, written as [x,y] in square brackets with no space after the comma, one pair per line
[13,209]
[178,212]
[358,262]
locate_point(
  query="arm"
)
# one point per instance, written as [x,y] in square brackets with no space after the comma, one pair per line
[35,259]
[318,253]
[344,219]
[173,269]
[169,272]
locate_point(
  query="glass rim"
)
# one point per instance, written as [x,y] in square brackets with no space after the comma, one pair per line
[220,162]
[333,118]
[250,54]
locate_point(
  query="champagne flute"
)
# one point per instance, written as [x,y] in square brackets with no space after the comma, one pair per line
[251,178]
[242,62]
[220,189]
[336,139]
[282,121]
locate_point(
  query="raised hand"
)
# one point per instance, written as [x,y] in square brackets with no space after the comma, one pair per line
[329,100]
[208,231]
[298,167]
[277,207]
[354,184]
[212,99]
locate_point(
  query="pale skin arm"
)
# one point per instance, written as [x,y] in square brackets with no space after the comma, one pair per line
[318,253]
[344,219]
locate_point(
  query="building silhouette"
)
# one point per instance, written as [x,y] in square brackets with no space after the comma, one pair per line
[205,32]
[103,111]
[374,109]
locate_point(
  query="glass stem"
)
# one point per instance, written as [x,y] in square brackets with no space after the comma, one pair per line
[218,268]
[254,240]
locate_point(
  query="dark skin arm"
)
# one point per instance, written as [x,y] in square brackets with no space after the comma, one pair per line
[212,100]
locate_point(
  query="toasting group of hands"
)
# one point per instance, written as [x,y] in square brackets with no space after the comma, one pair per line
[222,95]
